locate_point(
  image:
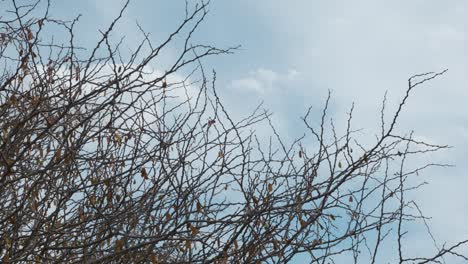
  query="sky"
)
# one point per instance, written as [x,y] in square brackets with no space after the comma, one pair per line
[293,52]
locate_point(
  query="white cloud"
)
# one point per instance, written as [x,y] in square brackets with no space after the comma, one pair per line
[249,84]
[264,81]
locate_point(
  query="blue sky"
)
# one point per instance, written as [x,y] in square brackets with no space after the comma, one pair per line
[293,52]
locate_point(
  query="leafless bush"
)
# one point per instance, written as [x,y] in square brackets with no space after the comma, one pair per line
[103,159]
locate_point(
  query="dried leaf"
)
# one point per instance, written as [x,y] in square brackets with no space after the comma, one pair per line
[109,197]
[30,34]
[77,73]
[199,207]
[81,214]
[154,259]
[118,245]
[117,138]
[58,155]
[270,187]
[193,229]
[275,245]
[95,180]
[13,100]
[315,242]
[303,223]
[144,174]
[7,243]
[255,200]
[92,200]
[33,205]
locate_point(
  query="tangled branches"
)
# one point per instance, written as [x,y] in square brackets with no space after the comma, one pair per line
[104,159]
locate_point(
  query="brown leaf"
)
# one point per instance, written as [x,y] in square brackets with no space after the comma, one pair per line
[270,187]
[77,73]
[303,223]
[109,197]
[255,200]
[315,242]
[81,214]
[154,259]
[92,200]
[58,155]
[199,207]
[118,245]
[193,229]
[275,245]
[168,216]
[13,100]
[30,34]
[144,174]
[118,138]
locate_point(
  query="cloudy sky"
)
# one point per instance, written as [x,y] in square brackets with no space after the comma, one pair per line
[294,51]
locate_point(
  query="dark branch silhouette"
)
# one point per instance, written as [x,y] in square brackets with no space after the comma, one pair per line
[104,160]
